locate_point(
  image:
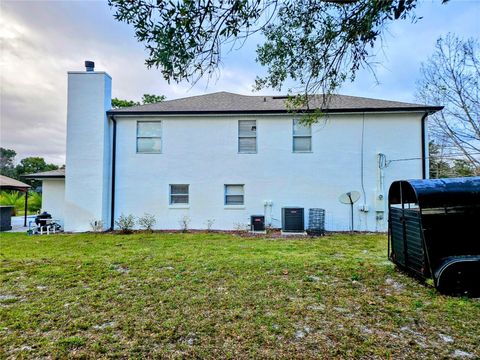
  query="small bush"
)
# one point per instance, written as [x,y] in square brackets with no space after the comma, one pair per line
[184,223]
[209,224]
[96,225]
[125,223]
[241,227]
[147,222]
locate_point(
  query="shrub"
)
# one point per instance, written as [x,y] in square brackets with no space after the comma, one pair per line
[125,223]
[241,227]
[12,198]
[96,225]
[184,223]
[34,202]
[147,222]
[17,200]
[209,224]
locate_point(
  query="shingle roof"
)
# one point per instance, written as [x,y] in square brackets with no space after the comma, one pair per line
[59,173]
[9,183]
[225,102]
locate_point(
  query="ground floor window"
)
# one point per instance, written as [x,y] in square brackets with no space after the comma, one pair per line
[234,195]
[179,194]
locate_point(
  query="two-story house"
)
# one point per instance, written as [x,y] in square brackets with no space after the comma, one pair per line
[223,157]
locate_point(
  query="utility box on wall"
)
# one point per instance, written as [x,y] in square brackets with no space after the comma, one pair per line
[293,219]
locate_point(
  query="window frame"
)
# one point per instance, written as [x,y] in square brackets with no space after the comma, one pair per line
[301,137]
[247,137]
[160,122]
[225,203]
[170,194]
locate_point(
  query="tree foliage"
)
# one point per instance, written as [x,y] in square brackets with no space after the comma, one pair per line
[443,165]
[319,44]
[34,164]
[27,165]
[31,165]
[146,99]
[152,99]
[121,103]
[451,77]
[7,162]
[17,200]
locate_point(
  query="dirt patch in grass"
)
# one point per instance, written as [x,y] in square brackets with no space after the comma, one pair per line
[217,295]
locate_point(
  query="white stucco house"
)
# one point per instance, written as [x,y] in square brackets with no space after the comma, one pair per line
[223,157]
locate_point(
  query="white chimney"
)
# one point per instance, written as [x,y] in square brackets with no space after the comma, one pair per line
[87,180]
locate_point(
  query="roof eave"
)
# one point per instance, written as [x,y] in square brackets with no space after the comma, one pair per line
[44,175]
[429,109]
[33,177]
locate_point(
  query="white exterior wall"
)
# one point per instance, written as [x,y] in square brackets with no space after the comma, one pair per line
[203,152]
[53,198]
[87,180]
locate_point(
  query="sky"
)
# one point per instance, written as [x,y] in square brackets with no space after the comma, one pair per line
[41,40]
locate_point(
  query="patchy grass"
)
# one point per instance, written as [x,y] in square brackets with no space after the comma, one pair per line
[221,296]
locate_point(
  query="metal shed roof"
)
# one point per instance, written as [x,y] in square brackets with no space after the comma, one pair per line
[437,192]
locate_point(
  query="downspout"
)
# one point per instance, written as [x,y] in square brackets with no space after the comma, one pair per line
[424,150]
[114,151]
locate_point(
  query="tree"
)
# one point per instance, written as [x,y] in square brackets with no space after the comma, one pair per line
[443,165]
[439,167]
[7,158]
[146,99]
[120,103]
[152,99]
[451,78]
[31,165]
[319,44]
[462,168]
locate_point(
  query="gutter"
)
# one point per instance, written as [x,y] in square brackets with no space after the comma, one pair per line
[44,177]
[114,152]
[429,109]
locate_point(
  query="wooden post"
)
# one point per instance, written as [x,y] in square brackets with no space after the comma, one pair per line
[26,207]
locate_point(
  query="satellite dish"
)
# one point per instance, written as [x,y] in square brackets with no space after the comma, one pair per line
[350,198]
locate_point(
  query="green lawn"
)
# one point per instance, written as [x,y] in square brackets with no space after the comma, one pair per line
[221,296]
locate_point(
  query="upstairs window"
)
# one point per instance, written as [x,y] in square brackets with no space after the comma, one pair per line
[178,194]
[302,137]
[149,137]
[234,195]
[247,136]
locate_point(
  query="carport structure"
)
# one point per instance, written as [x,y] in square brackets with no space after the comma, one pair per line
[433,231]
[7,183]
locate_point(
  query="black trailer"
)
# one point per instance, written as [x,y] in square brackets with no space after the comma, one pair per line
[434,232]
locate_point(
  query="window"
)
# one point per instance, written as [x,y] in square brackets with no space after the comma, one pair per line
[149,137]
[234,195]
[302,137]
[247,136]
[178,194]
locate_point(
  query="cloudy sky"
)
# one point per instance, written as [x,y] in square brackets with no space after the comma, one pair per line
[42,40]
